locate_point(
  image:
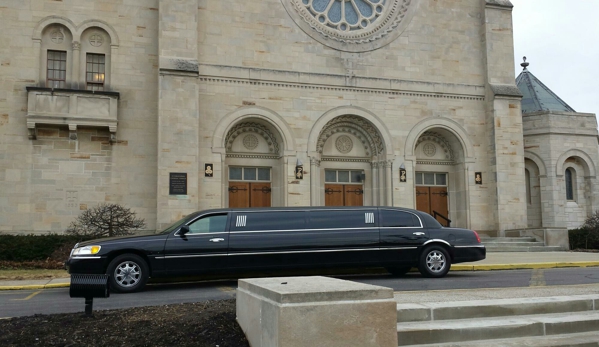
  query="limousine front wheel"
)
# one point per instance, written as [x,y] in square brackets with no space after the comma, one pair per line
[434,262]
[128,273]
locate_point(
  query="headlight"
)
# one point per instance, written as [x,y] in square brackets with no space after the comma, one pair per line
[87,250]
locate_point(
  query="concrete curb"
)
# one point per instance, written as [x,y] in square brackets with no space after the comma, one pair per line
[490,267]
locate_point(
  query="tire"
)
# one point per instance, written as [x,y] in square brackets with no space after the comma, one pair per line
[128,273]
[399,270]
[434,262]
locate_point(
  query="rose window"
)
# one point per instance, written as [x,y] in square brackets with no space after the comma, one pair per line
[346,15]
[352,25]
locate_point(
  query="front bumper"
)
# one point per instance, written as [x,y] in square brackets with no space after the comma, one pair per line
[86,265]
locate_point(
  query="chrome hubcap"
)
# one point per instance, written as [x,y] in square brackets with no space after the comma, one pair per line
[127,274]
[435,261]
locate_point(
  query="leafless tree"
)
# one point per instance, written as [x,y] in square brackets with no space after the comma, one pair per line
[591,229]
[106,220]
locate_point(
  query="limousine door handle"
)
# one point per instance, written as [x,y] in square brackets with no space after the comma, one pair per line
[418,233]
[217,240]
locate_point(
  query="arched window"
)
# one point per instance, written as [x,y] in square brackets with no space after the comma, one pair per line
[528,190]
[570,184]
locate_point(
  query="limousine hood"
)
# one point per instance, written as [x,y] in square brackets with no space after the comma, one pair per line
[109,240]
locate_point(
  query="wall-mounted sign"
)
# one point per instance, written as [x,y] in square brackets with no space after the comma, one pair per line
[177,183]
[208,170]
[402,175]
[478,177]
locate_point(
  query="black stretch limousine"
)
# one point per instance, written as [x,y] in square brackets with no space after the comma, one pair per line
[280,238]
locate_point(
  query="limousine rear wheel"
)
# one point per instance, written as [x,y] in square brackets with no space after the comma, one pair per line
[434,262]
[128,273]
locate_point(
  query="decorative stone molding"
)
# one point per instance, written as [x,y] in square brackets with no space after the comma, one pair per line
[252,156]
[74,108]
[346,160]
[344,144]
[252,127]
[350,25]
[440,141]
[506,90]
[357,126]
[361,90]
[502,4]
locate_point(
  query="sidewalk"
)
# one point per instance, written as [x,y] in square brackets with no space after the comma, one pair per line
[494,261]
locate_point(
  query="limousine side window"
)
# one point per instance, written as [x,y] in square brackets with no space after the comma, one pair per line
[333,219]
[399,219]
[209,224]
[269,221]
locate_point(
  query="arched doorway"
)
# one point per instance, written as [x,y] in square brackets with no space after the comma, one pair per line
[533,194]
[254,168]
[352,163]
[439,177]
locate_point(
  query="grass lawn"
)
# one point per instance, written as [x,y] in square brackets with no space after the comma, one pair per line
[33,274]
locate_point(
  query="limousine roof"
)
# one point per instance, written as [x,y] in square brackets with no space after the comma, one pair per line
[425,217]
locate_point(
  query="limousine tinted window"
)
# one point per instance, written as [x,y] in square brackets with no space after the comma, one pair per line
[209,224]
[399,219]
[331,219]
[280,220]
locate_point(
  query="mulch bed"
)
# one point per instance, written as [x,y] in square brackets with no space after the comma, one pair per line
[205,324]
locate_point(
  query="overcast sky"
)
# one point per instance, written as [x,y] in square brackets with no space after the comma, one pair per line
[560,39]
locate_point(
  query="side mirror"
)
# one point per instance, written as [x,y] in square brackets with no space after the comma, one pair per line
[184,230]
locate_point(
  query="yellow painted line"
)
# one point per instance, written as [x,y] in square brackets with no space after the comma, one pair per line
[35,286]
[28,297]
[226,289]
[489,267]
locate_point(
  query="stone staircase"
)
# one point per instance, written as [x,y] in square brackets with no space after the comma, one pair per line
[516,244]
[547,321]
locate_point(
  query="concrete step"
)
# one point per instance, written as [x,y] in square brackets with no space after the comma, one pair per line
[493,328]
[495,308]
[588,339]
[508,239]
[514,244]
[492,248]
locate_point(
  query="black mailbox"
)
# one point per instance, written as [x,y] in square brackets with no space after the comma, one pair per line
[89,287]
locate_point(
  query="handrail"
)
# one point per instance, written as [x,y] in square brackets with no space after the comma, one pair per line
[437,214]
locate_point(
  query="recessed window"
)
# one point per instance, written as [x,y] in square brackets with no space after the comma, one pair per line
[249,174]
[431,179]
[95,71]
[56,69]
[343,176]
[569,184]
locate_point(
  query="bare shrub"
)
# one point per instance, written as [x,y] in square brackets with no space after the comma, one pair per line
[106,220]
[590,231]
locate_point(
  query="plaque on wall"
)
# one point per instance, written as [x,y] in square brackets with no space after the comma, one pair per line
[478,177]
[177,183]
[402,175]
[208,170]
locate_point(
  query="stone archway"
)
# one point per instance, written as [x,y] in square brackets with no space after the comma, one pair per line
[349,164]
[253,166]
[438,160]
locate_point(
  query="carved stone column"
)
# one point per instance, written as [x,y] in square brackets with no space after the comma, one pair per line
[314,181]
[375,183]
[76,83]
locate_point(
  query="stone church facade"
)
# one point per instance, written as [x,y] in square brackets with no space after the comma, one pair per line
[173,106]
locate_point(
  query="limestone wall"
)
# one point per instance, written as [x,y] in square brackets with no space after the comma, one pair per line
[45,182]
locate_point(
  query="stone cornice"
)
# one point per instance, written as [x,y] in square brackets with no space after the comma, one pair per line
[332,82]
[499,4]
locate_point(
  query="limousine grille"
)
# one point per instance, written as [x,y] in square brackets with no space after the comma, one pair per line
[241,220]
[369,217]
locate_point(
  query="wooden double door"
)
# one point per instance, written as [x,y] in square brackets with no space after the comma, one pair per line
[249,194]
[343,195]
[433,199]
